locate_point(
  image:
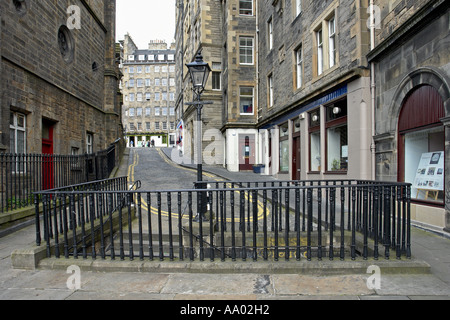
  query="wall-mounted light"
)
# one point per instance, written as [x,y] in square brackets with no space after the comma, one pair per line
[336,110]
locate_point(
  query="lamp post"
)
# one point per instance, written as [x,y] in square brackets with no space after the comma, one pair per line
[199,72]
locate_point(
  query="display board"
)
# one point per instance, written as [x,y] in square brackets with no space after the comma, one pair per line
[430,172]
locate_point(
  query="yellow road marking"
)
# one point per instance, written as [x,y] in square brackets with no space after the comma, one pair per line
[131,172]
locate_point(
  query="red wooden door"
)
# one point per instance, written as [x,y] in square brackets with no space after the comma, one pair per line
[47,157]
[246,152]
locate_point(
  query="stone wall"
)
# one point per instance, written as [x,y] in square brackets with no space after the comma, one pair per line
[291,31]
[61,79]
[415,53]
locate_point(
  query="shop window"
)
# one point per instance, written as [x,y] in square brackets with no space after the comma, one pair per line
[314,141]
[422,145]
[337,136]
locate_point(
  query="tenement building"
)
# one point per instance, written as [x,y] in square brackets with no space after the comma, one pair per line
[326,90]
[59,77]
[314,114]
[225,34]
[148,87]
[411,64]
[199,30]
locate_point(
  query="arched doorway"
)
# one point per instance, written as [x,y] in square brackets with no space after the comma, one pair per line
[421,144]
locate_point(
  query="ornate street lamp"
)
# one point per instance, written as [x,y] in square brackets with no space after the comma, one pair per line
[199,72]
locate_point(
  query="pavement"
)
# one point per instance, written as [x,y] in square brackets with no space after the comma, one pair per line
[189,291]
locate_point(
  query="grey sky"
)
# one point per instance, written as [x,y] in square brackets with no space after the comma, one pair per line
[146,20]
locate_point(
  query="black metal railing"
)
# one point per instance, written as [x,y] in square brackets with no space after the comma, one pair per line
[59,214]
[23,174]
[269,221]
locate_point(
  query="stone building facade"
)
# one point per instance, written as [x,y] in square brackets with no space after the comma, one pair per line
[148,87]
[314,89]
[411,64]
[225,34]
[345,89]
[199,31]
[59,77]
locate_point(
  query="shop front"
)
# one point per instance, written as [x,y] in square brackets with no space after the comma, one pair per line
[327,138]
[414,147]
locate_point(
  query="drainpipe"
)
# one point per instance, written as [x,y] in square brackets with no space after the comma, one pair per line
[372,89]
[260,147]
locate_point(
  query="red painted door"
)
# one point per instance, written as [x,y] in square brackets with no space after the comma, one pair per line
[246,152]
[47,156]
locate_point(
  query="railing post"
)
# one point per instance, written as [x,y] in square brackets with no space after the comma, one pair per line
[309,204]
[387,218]
[255,222]
[37,221]
[319,222]
[332,217]
[150,227]
[408,222]
[342,224]
[353,245]
[169,209]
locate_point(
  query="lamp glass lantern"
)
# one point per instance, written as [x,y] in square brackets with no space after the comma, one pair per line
[199,72]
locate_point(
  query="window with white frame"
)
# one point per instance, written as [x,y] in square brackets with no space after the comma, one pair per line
[270,34]
[270,90]
[246,7]
[246,99]
[246,48]
[299,66]
[216,80]
[89,143]
[17,130]
[332,41]
[319,39]
[298,7]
